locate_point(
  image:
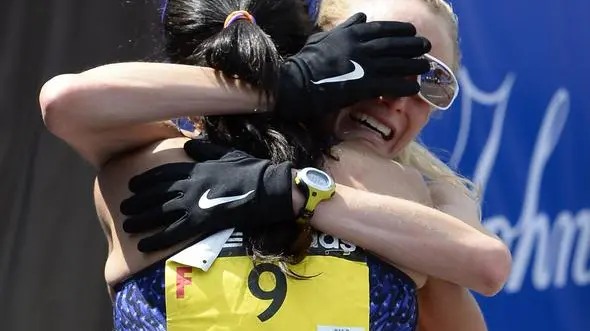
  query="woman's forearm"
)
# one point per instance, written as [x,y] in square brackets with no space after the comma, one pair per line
[445,306]
[116,108]
[416,237]
[126,94]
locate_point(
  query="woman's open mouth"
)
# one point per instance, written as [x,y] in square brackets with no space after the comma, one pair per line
[373,124]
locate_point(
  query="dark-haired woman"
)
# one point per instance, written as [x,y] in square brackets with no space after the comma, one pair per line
[96,113]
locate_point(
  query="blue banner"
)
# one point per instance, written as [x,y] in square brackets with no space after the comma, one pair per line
[521,130]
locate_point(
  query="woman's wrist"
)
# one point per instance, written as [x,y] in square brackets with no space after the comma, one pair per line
[298,198]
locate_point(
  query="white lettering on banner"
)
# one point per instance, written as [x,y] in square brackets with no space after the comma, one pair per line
[554,244]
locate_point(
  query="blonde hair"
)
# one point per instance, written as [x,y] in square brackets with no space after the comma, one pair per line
[415,155]
[420,158]
[332,12]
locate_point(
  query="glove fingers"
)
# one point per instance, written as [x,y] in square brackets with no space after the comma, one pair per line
[150,220]
[384,68]
[396,87]
[379,29]
[155,196]
[168,237]
[202,150]
[357,18]
[406,47]
[393,87]
[169,172]
[354,19]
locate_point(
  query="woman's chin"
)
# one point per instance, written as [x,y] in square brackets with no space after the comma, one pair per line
[363,140]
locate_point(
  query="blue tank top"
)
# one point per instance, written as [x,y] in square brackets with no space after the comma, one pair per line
[140,303]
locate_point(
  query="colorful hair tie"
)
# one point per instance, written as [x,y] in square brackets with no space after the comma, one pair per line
[238,15]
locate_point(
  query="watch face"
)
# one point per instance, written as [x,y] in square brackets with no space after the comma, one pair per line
[318,178]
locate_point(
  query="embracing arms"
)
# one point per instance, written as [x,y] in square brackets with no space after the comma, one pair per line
[415,236]
[445,306]
[117,107]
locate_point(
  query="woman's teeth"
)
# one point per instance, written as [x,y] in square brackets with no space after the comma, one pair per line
[373,124]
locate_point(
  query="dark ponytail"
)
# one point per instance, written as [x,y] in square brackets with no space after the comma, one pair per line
[252,52]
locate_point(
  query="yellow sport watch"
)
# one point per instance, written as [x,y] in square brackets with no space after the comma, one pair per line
[316,186]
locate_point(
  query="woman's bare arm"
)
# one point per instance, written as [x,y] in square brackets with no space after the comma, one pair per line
[445,306]
[104,111]
[416,237]
[116,108]
[395,221]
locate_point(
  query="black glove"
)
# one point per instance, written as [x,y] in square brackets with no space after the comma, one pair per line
[228,188]
[322,77]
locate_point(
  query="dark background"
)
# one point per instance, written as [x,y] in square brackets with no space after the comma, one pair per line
[52,248]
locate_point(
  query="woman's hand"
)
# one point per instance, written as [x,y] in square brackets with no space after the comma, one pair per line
[226,189]
[354,61]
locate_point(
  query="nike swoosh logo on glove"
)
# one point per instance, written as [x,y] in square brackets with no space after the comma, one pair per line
[357,73]
[206,203]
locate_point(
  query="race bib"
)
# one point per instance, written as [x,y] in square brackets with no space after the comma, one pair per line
[235,295]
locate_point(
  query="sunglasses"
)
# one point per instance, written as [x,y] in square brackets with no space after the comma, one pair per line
[439,86]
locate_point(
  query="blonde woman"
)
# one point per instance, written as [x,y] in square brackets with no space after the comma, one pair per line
[105,114]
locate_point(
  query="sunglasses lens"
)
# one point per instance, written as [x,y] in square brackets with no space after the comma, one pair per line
[438,86]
